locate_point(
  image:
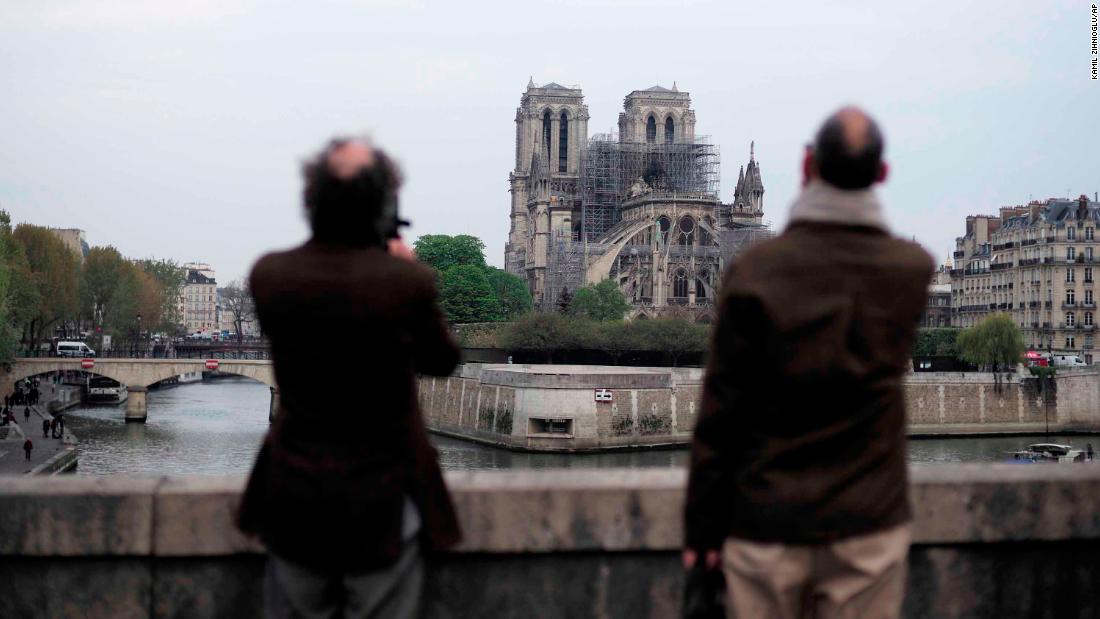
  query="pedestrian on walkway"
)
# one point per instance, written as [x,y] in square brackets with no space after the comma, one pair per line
[28,447]
[45,428]
[347,516]
[798,475]
[26,413]
[53,428]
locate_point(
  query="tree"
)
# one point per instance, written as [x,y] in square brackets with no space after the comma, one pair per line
[105,283]
[547,333]
[170,278]
[236,300]
[511,293]
[467,296]
[995,343]
[673,336]
[7,286]
[52,274]
[936,342]
[602,301]
[442,252]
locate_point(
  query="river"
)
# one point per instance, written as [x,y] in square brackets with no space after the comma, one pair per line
[215,428]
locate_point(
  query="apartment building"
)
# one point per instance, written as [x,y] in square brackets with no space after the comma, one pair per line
[199,299]
[1038,263]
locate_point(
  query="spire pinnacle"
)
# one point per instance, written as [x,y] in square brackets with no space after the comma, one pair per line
[752,150]
[531,82]
[674,86]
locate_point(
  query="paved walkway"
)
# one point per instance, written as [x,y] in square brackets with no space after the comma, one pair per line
[12,457]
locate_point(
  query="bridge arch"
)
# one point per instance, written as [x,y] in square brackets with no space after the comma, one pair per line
[139,374]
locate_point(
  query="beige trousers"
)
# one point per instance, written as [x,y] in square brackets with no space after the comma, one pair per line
[859,577]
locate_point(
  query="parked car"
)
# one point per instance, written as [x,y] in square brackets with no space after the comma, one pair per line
[74,349]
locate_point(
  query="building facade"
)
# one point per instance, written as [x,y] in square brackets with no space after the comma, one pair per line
[73,238]
[938,311]
[198,303]
[1037,263]
[640,207]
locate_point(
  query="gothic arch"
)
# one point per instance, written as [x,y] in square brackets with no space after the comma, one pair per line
[670,129]
[651,129]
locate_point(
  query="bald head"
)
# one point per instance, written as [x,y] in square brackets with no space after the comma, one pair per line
[348,158]
[848,150]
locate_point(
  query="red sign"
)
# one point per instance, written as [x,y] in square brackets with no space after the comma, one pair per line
[212,364]
[87,364]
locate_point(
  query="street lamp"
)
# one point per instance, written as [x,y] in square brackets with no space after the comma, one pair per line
[139,332]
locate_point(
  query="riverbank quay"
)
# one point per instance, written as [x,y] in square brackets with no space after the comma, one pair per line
[49,456]
[577,408]
[989,541]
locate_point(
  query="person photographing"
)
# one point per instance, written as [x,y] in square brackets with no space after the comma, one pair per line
[347,516]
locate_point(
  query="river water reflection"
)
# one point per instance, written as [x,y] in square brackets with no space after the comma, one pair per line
[216,428]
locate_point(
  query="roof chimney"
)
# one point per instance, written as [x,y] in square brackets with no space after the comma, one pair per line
[1082,207]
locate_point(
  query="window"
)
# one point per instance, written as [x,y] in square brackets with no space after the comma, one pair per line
[1088,254]
[563,143]
[1070,319]
[1088,319]
[1088,296]
[546,133]
[1071,275]
[1071,252]
[1088,274]
[670,130]
[1071,233]
[679,284]
[651,130]
[1069,341]
[1070,297]
[1088,234]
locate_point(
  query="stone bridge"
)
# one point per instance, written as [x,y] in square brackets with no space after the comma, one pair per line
[139,374]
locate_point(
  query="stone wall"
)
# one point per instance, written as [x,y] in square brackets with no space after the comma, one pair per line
[510,405]
[990,541]
[942,403]
[653,407]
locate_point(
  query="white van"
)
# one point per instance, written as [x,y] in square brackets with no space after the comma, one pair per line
[1068,361]
[74,349]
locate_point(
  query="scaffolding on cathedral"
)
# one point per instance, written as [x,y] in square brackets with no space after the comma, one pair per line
[564,268]
[611,168]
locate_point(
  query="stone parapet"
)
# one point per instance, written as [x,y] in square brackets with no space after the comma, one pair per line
[989,541]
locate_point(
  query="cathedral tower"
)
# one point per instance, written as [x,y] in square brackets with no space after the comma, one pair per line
[551,129]
[657,115]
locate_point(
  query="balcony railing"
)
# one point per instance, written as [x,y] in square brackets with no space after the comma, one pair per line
[1000,266]
[1028,242]
[959,254]
[1068,305]
[1050,239]
[1029,261]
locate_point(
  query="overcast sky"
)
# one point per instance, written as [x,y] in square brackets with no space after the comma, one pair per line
[175,129]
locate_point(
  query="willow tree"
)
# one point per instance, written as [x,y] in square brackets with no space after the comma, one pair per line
[994,343]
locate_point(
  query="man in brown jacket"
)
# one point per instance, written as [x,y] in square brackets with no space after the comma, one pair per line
[345,515]
[798,472]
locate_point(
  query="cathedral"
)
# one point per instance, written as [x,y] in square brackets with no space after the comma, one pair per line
[641,207]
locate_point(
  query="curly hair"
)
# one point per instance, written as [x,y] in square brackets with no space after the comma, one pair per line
[358,211]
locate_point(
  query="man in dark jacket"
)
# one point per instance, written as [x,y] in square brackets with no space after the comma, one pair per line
[345,515]
[798,472]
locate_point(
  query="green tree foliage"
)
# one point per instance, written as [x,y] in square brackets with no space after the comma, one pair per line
[548,333]
[7,285]
[459,262]
[105,293]
[511,293]
[995,343]
[602,301]
[936,342]
[467,296]
[441,251]
[53,282]
[673,336]
[551,333]
[170,278]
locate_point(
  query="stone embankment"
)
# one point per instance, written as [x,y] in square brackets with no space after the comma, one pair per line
[598,408]
[1000,541]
